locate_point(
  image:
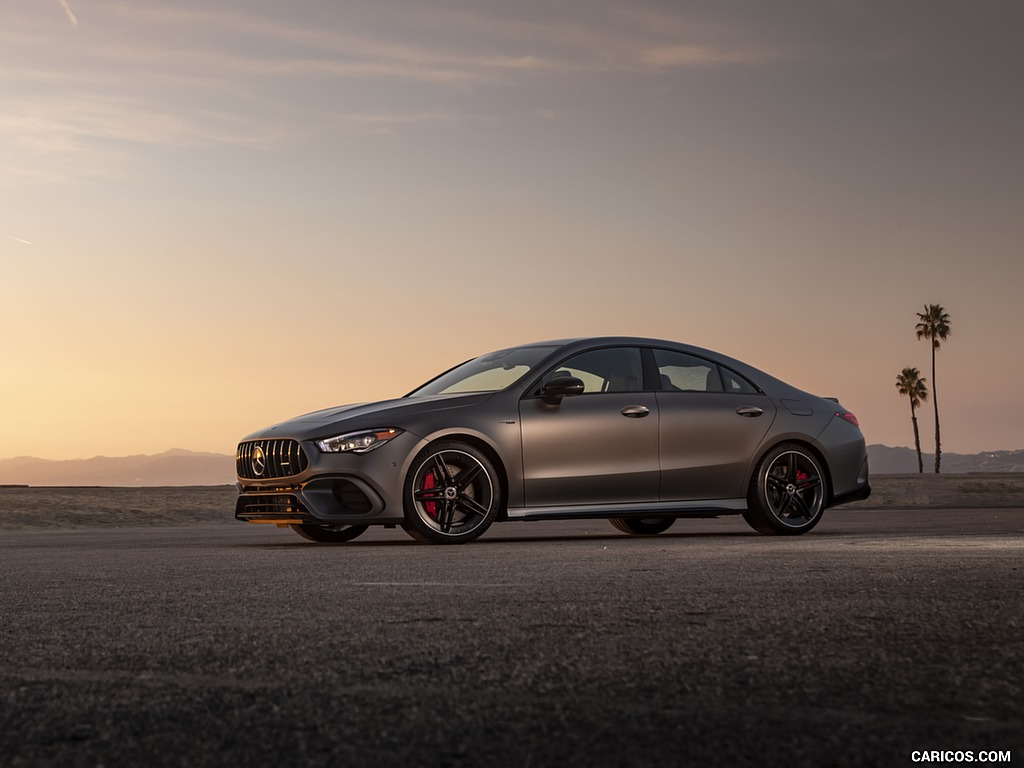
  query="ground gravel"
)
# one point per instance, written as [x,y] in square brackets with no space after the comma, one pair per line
[541,644]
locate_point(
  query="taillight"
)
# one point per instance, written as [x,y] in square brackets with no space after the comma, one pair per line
[849,417]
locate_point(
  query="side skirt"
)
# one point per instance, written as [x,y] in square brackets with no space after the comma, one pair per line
[647,509]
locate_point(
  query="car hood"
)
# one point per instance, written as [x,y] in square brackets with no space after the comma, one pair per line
[385,413]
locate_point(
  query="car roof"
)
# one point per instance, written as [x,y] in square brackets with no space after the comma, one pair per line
[642,341]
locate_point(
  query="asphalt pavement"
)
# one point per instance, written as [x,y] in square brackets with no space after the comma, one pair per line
[879,635]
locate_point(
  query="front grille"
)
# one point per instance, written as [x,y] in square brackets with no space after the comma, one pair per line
[268,505]
[267,459]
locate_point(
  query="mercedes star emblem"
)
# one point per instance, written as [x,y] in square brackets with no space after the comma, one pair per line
[259,461]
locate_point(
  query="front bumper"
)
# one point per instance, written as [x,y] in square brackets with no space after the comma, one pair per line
[330,489]
[321,501]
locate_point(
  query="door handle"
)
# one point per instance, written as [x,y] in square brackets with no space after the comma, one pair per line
[636,411]
[749,410]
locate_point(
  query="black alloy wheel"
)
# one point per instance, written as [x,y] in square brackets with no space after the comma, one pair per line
[788,492]
[452,494]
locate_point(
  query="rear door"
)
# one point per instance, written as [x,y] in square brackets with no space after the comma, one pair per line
[711,424]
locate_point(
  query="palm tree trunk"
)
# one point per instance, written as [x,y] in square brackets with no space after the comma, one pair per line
[935,403]
[917,440]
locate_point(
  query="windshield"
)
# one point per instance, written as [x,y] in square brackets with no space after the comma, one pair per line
[488,373]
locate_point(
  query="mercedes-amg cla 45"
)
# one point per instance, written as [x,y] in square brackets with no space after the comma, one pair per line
[639,431]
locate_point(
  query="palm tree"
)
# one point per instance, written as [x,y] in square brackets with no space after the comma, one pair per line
[910,383]
[933,324]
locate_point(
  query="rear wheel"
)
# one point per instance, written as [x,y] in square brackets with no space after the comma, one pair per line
[329,534]
[787,493]
[452,494]
[642,526]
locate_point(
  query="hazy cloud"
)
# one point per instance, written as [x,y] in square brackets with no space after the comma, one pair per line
[15,239]
[183,76]
[454,47]
[65,137]
[387,124]
[67,10]
[697,56]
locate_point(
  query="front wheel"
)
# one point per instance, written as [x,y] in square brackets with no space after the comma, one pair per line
[787,493]
[329,534]
[452,494]
[642,526]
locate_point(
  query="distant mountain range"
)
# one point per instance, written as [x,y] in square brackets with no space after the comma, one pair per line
[174,467]
[884,460]
[179,467]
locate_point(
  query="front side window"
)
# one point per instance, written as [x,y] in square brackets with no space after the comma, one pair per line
[685,373]
[615,369]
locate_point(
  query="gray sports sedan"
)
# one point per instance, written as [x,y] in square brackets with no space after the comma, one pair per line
[639,431]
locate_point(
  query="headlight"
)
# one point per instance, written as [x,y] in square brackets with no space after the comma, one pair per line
[358,442]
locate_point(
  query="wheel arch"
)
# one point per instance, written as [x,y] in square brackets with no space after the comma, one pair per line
[485,447]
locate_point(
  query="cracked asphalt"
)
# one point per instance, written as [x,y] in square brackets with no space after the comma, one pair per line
[541,644]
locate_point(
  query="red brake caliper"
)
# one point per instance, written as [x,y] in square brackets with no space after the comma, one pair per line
[429,482]
[800,477]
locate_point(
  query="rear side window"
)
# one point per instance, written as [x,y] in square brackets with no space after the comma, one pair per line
[736,383]
[685,373]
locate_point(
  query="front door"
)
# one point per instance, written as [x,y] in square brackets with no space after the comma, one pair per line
[600,447]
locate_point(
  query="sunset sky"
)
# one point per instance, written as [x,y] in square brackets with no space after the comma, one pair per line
[216,215]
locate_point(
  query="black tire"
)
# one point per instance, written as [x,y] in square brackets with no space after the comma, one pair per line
[788,492]
[642,526]
[330,534]
[451,495]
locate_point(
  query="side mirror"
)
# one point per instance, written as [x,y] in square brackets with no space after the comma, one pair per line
[562,386]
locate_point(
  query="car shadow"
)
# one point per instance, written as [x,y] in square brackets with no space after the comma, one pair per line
[541,539]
